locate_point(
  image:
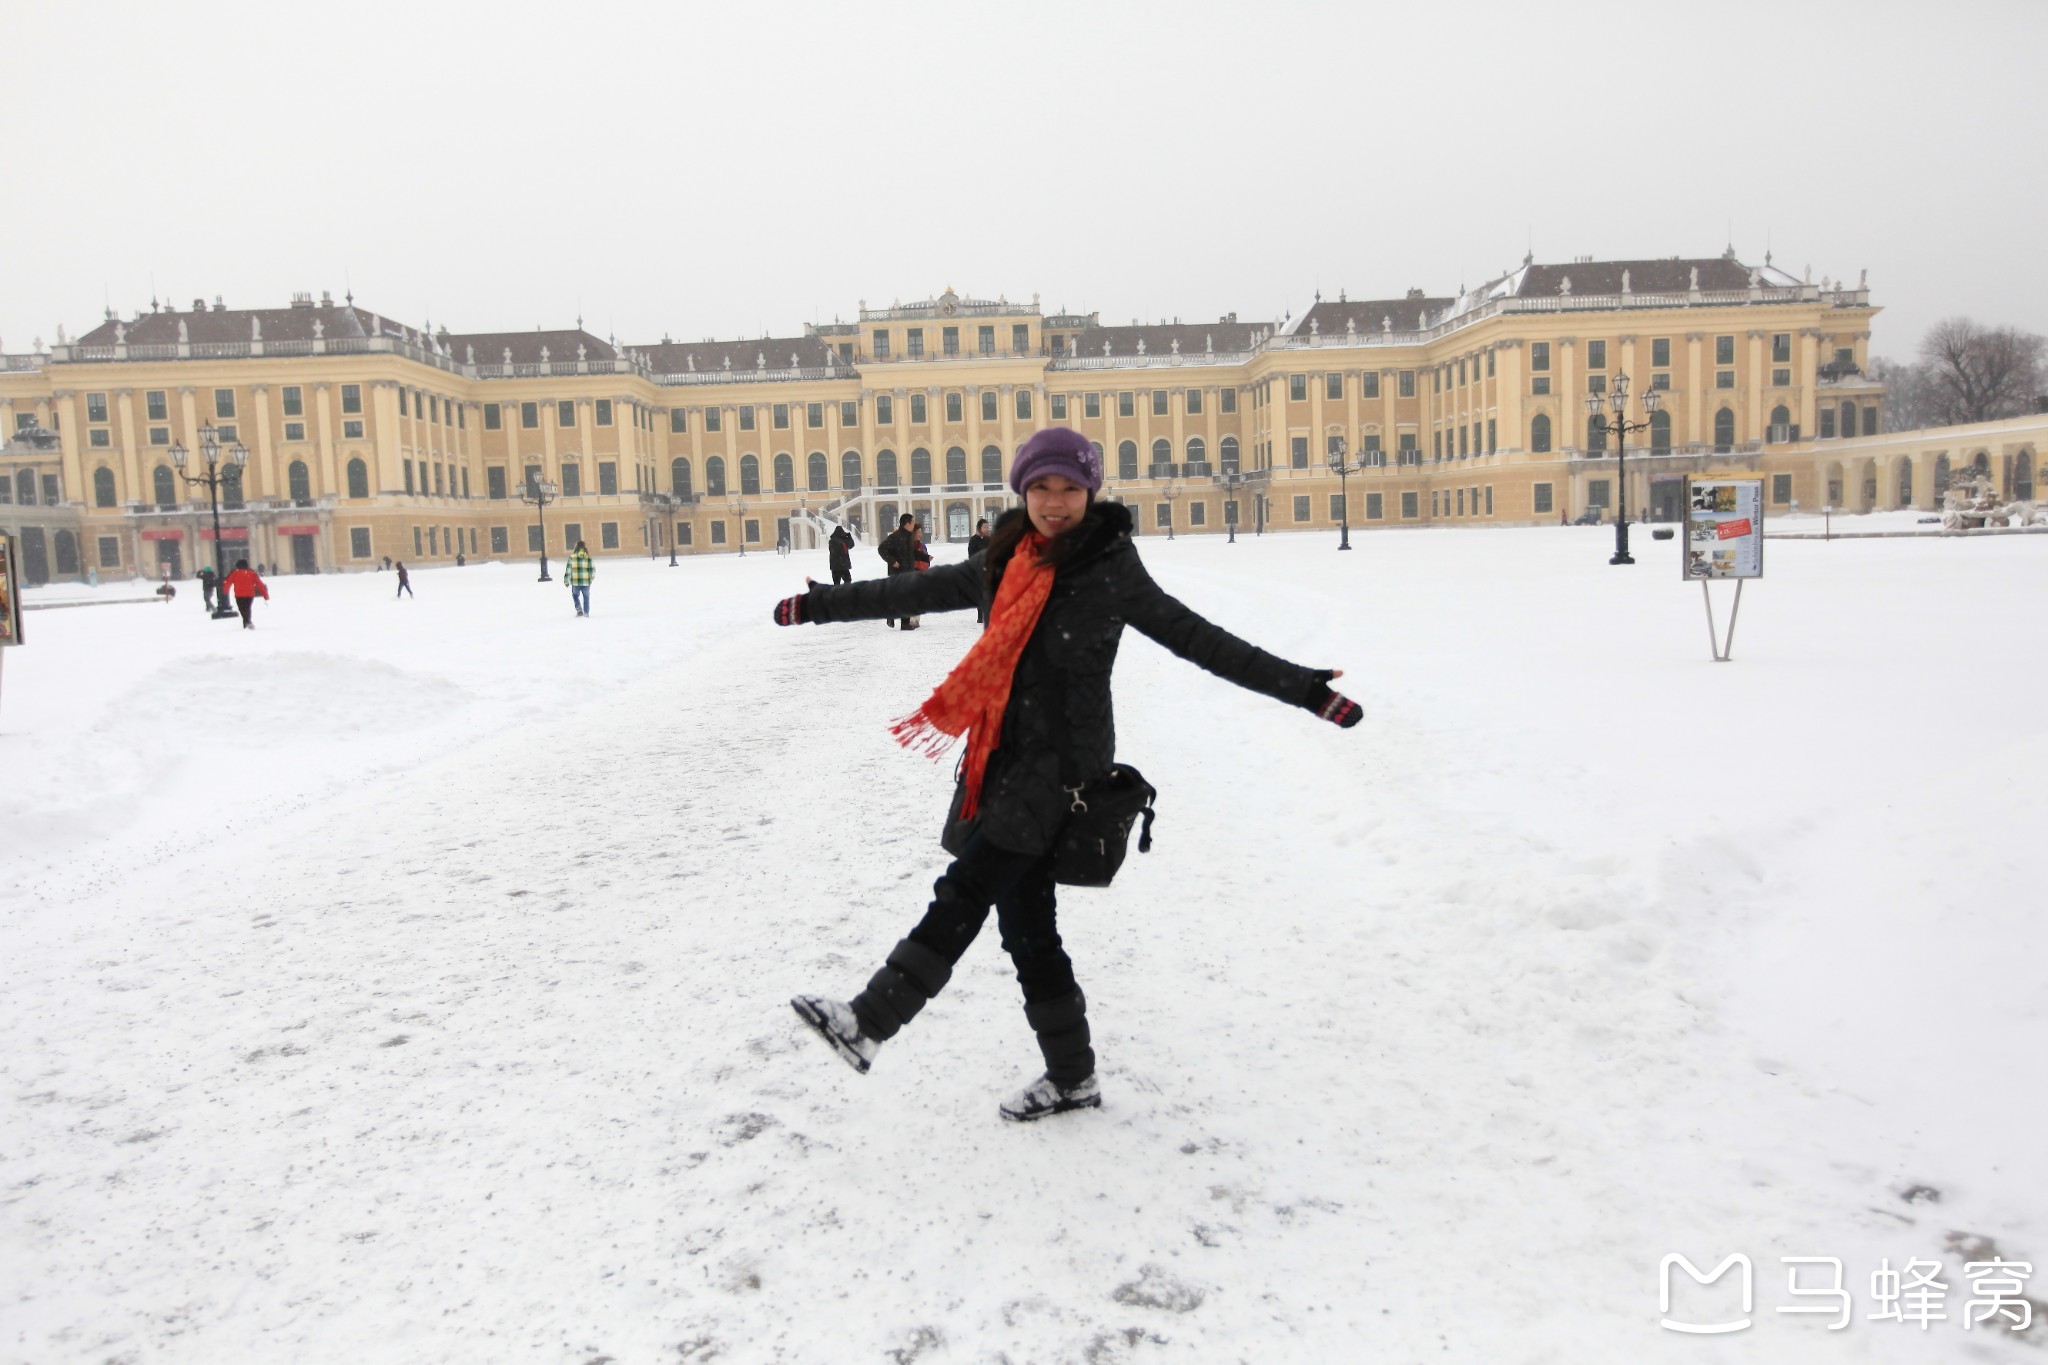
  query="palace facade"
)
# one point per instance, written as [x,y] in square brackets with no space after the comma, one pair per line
[367,438]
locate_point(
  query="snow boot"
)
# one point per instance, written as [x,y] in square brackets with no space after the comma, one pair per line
[835,1023]
[1069,1079]
[911,976]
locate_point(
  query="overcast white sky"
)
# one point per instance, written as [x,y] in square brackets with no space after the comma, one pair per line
[733,168]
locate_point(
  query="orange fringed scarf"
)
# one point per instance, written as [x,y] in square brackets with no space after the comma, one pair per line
[975,694]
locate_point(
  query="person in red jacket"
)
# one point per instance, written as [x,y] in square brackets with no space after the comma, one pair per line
[245,587]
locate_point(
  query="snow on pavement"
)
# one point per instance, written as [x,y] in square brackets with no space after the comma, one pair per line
[406,981]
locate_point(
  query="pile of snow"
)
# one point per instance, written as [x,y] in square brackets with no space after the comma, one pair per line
[406,980]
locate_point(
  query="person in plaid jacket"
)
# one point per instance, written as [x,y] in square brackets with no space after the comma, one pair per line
[577,573]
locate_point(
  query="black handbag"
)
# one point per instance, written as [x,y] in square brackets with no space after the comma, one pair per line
[1091,844]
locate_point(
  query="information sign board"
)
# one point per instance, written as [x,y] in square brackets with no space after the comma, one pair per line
[10,594]
[1724,529]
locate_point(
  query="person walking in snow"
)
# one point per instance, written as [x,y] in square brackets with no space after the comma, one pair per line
[245,587]
[976,544]
[899,550]
[1061,578]
[209,582]
[577,573]
[839,549]
[404,584]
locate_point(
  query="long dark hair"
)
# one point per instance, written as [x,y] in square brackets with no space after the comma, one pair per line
[1009,534]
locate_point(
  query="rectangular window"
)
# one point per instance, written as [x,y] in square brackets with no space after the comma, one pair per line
[881,353]
[1229,400]
[501,541]
[403,411]
[1489,500]
[753,531]
[1660,352]
[954,408]
[1724,379]
[1162,514]
[572,481]
[1492,432]
[352,429]
[1059,407]
[223,402]
[1020,337]
[1597,492]
[1198,514]
[814,416]
[492,420]
[913,343]
[1375,507]
[1724,350]
[714,419]
[683,533]
[1297,388]
[110,552]
[533,540]
[1596,355]
[1407,389]
[351,397]
[461,422]
[1336,507]
[565,413]
[359,542]
[608,535]
[1410,505]
[529,416]
[949,341]
[100,438]
[1543,496]
[1827,423]
[1781,379]
[678,420]
[1660,381]
[1870,421]
[1369,384]
[778,416]
[607,477]
[572,533]
[746,417]
[294,401]
[1539,385]
[1297,453]
[917,409]
[1127,405]
[418,548]
[227,436]
[295,431]
[1781,489]
[1436,445]
[1091,405]
[988,405]
[1781,348]
[95,407]
[718,531]
[885,410]
[1194,397]
[159,436]
[1539,356]
[159,409]
[604,412]
[494,481]
[1023,405]
[987,340]
[849,413]
[1301,508]
[1461,502]
[1159,408]
[1489,364]
[1596,383]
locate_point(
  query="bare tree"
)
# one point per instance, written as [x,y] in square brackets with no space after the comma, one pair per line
[1908,400]
[1980,374]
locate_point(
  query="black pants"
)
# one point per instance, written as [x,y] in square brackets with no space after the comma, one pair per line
[404,589]
[244,605]
[1020,888]
[841,576]
[209,598]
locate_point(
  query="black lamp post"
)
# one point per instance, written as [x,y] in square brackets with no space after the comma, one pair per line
[738,507]
[215,475]
[1617,398]
[537,493]
[1171,492]
[1340,464]
[1231,482]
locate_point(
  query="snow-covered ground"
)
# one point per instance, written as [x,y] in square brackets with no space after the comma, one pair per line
[406,981]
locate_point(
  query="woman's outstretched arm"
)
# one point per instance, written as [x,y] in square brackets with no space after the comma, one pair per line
[953,588]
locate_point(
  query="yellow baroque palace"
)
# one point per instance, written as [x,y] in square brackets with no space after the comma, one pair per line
[367,438]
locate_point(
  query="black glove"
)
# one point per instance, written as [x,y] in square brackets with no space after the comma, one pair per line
[1333,707]
[791,611]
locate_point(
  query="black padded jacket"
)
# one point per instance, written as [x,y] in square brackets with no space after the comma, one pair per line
[1059,730]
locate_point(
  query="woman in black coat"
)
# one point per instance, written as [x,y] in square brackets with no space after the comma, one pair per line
[1033,697]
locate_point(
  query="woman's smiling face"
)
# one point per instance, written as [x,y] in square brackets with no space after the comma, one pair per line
[1055,503]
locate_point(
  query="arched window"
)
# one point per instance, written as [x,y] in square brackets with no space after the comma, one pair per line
[1848,426]
[1906,481]
[991,464]
[1942,477]
[1162,458]
[358,479]
[1982,464]
[785,473]
[750,475]
[231,486]
[1127,460]
[849,470]
[1724,429]
[25,487]
[166,487]
[299,480]
[679,477]
[1539,434]
[1596,434]
[1230,454]
[920,468]
[956,465]
[103,487]
[885,469]
[819,472]
[714,476]
[1198,450]
[2023,476]
[1660,432]
[1781,423]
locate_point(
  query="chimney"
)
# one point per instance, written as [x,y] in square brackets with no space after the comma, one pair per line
[218,306]
[326,299]
[199,305]
[302,299]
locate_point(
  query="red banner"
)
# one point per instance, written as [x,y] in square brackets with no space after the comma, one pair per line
[298,530]
[226,533]
[1735,530]
[163,535]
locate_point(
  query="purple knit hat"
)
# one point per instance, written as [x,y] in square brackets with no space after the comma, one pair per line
[1057,450]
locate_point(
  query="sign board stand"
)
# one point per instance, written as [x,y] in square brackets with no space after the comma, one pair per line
[1724,538]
